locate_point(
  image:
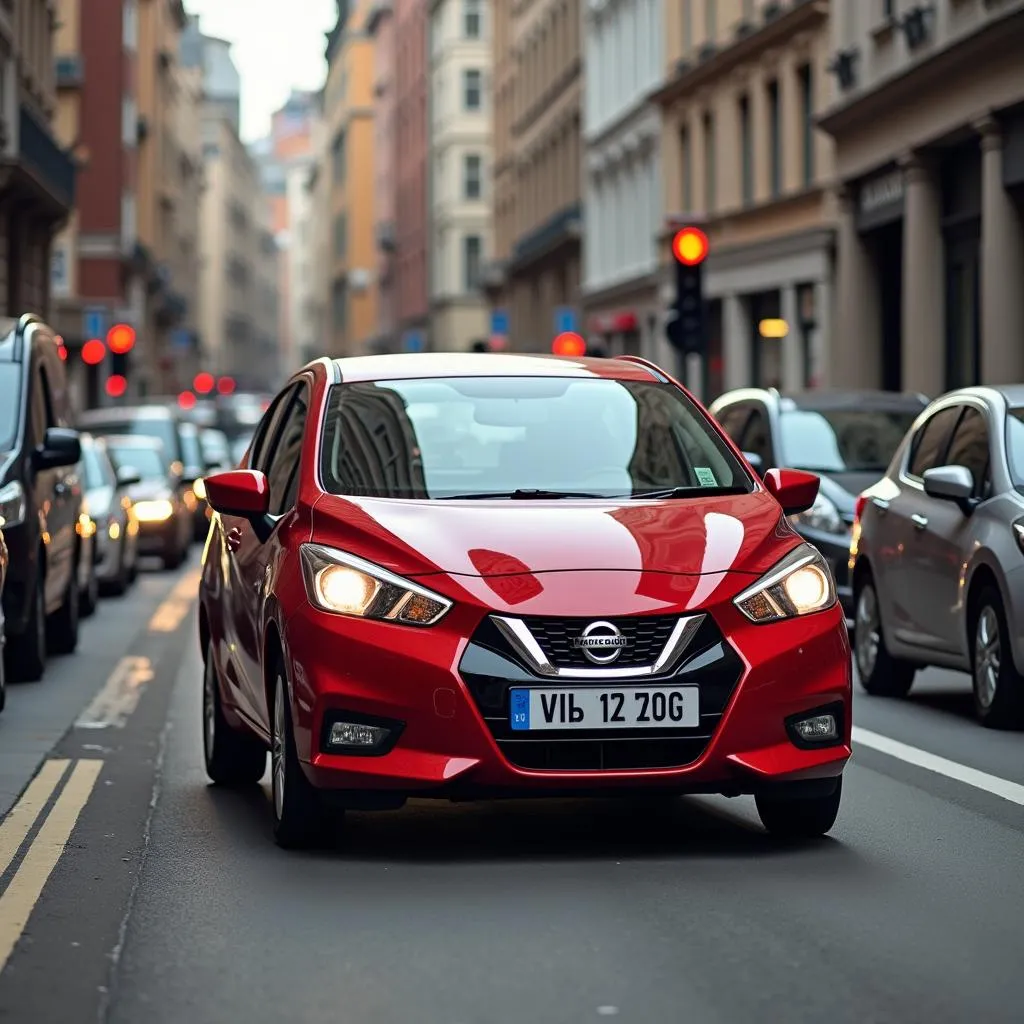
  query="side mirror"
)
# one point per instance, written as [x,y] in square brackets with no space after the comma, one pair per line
[61,447]
[755,460]
[127,476]
[793,489]
[950,483]
[239,492]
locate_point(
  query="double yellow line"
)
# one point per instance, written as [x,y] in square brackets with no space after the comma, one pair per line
[26,886]
[170,615]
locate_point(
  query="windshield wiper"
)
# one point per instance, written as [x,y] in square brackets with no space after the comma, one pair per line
[690,492]
[520,494]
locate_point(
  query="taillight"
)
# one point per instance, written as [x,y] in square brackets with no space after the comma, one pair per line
[858,508]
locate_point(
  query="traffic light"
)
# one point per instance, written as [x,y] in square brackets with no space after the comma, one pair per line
[686,326]
[120,341]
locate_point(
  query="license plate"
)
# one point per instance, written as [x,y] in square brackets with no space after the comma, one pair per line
[623,707]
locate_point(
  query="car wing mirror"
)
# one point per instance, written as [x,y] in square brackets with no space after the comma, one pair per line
[61,447]
[793,489]
[950,483]
[244,493]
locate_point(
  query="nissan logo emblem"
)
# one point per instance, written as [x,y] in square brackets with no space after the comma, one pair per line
[601,642]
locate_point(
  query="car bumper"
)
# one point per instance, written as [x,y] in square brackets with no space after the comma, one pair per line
[163,538]
[446,698]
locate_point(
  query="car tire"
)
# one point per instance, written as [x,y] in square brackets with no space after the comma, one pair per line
[63,625]
[119,584]
[232,758]
[89,598]
[998,686]
[806,817]
[26,654]
[299,818]
[880,673]
[3,672]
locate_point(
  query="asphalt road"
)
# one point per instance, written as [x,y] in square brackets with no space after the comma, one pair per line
[130,891]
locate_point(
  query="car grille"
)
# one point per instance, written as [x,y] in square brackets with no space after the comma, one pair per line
[646,636]
[490,667]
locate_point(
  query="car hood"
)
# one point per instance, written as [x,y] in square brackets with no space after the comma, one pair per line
[743,534]
[150,490]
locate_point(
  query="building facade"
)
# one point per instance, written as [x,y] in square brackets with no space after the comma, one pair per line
[37,176]
[300,301]
[348,112]
[411,210]
[742,155]
[381,25]
[928,125]
[625,39]
[460,160]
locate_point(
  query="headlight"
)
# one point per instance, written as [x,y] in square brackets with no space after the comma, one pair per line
[12,504]
[799,585]
[345,585]
[153,511]
[822,515]
[199,489]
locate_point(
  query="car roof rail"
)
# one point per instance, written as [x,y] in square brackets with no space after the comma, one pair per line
[647,364]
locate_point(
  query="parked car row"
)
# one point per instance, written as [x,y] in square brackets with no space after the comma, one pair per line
[920,514]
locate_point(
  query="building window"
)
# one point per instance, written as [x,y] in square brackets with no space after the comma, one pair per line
[129,122]
[746,151]
[686,163]
[472,176]
[710,21]
[888,10]
[710,193]
[807,116]
[338,158]
[472,89]
[340,236]
[471,19]
[339,304]
[130,26]
[775,137]
[687,27]
[472,254]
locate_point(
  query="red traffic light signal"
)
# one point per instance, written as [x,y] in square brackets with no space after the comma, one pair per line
[226,385]
[203,383]
[93,352]
[187,400]
[690,246]
[121,339]
[569,343]
[117,385]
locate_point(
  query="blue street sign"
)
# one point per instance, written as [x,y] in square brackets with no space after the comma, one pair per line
[414,341]
[94,322]
[499,322]
[565,319]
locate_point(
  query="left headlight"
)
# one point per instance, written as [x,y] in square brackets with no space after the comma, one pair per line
[346,585]
[800,584]
[822,515]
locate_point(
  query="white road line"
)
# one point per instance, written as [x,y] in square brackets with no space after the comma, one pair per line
[119,697]
[1012,791]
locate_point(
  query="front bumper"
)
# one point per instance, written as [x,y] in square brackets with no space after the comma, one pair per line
[448,696]
[160,538]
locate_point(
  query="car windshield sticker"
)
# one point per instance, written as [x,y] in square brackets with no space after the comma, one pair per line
[705,477]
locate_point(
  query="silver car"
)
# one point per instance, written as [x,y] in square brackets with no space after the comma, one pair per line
[938,554]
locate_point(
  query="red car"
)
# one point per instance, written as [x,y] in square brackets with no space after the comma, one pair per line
[468,576]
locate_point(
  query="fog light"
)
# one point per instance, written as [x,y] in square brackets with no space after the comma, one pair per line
[818,729]
[353,734]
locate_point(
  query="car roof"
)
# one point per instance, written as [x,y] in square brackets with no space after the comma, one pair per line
[132,441]
[866,399]
[124,414]
[408,366]
[1012,393]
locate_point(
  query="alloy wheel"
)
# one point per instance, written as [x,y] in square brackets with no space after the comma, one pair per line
[278,750]
[867,635]
[987,656]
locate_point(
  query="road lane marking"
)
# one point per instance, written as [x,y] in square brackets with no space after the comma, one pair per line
[23,815]
[20,897]
[119,697]
[171,613]
[1012,791]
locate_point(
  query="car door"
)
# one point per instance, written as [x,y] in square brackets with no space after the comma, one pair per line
[248,558]
[899,524]
[941,541]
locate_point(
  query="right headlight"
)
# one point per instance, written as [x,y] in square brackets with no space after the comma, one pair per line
[800,584]
[343,584]
[12,504]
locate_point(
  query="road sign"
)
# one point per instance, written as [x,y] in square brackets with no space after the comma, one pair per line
[499,322]
[94,322]
[565,320]
[414,341]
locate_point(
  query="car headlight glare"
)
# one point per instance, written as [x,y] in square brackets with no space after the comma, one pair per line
[199,489]
[343,584]
[154,511]
[822,516]
[12,504]
[800,584]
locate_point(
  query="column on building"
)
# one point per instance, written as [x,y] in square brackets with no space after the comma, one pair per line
[792,123]
[736,354]
[924,313]
[820,335]
[1002,267]
[855,345]
[792,344]
[757,97]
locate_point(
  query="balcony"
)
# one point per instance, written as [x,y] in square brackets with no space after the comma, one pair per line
[40,170]
[563,227]
[69,71]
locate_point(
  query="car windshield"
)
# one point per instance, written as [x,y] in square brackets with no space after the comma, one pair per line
[164,430]
[480,436]
[10,404]
[148,462]
[842,440]
[1015,446]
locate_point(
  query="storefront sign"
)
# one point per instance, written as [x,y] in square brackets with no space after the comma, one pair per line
[880,200]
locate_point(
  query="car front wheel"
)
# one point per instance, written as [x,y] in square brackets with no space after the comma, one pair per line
[799,817]
[63,627]
[998,686]
[880,673]
[232,758]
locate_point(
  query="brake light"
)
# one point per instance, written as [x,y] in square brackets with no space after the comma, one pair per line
[858,508]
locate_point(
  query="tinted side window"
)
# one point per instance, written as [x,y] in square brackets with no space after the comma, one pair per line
[283,468]
[733,419]
[757,437]
[929,447]
[969,447]
[259,454]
